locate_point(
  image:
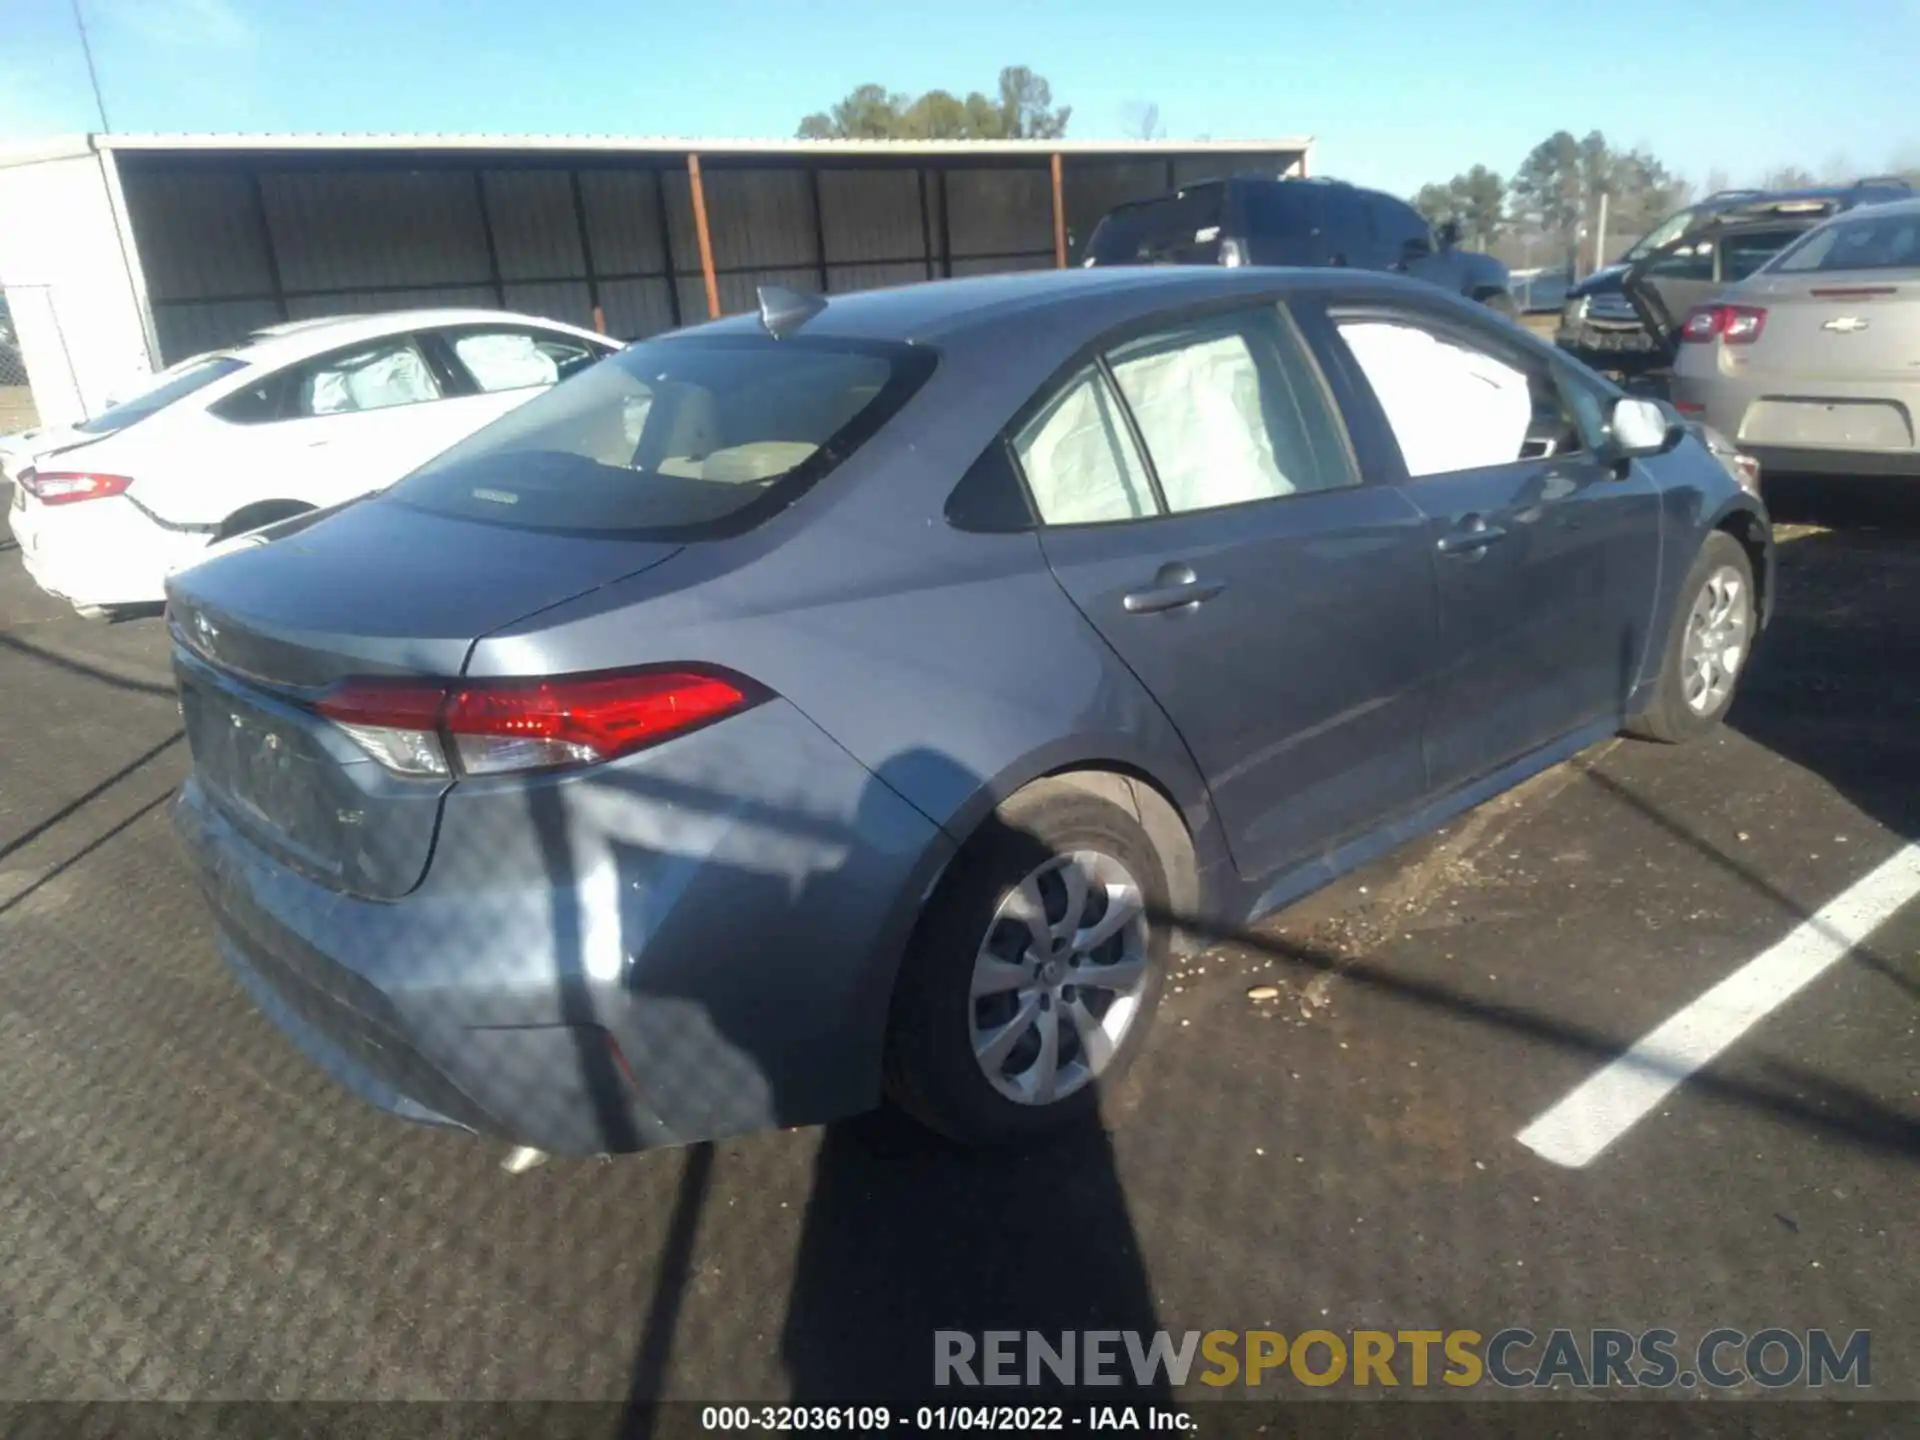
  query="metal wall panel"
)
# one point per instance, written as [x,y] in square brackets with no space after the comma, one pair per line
[1001,210]
[341,229]
[188,329]
[760,218]
[536,234]
[363,302]
[568,300]
[223,251]
[871,215]
[623,221]
[199,234]
[637,308]
[842,278]
[999,265]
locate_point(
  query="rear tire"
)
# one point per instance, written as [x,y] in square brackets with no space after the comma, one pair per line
[1009,1016]
[1708,646]
[267,512]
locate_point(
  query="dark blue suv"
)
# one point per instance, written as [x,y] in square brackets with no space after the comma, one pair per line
[1252,220]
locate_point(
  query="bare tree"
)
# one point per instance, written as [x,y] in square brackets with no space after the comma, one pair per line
[1140,120]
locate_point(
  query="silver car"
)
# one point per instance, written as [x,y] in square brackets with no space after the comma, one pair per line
[1812,364]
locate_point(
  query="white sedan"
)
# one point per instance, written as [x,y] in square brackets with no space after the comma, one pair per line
[304,415]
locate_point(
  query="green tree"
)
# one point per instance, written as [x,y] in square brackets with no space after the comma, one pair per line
[1547,189]
[1476,199]
[1557,190]
[1021,108]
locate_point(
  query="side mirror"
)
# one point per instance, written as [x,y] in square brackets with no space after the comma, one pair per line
[1638,428]
[1415,247]
[1448,234]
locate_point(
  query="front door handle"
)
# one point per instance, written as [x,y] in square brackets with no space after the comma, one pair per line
[1173,587]
[1471,538]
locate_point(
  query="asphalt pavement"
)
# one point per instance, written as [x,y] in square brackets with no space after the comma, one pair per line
[187,1210]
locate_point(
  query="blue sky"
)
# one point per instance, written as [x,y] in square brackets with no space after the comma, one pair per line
[1396,91]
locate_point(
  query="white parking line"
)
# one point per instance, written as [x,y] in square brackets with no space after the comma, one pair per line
[1609,1104]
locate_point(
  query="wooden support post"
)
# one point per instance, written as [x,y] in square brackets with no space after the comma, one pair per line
[1059,216]
[704,236]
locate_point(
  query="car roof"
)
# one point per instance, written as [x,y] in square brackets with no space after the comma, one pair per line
[298,339]
[948,312]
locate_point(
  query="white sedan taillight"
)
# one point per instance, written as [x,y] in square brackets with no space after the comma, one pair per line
[495,727]
[69,487]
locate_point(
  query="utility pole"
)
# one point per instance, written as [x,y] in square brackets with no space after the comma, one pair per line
[1600,235]
[93,76]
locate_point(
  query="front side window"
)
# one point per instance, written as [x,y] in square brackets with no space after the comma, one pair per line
[1079,460]
[1667,231]
[1231,410]
[1456,401]
[1396,225]
[1689,262]
[519,359]
[673,438]
[375,376]
[1869,242]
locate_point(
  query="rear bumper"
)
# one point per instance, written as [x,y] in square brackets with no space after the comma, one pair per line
[100,552]
[1723,401]
[696,941]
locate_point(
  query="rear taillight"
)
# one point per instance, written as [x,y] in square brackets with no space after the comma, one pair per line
[1735,324]
[497,727]
[69,487]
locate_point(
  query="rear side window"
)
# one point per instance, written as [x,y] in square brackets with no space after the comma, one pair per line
[170,385]
[1869,242]
[1079,460]
[676,439]
[1283,222]
[1741,255]
[1349,236]
[1183,229]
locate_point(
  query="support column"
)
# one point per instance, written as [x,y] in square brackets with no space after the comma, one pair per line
[704,236]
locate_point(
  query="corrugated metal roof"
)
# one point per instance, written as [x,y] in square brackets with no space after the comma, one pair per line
[681,145]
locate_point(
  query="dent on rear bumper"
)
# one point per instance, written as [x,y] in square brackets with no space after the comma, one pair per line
[728,908]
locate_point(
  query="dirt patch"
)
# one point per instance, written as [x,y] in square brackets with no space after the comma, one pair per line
[16,409]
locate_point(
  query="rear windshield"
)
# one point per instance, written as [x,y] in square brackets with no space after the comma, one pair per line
[168,386]
[1174,231]
[673,439]
[1865,242]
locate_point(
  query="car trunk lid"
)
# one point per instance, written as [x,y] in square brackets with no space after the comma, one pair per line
[376,589]
[1828,327]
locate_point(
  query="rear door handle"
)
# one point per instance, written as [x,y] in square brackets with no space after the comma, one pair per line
[1173,587]
[1475,536]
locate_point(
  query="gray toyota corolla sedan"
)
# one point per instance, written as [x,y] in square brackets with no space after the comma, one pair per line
[867,698]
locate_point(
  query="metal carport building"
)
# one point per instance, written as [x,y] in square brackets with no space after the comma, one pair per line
[123,253]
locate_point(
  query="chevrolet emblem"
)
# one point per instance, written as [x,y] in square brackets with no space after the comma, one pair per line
[1845,324]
